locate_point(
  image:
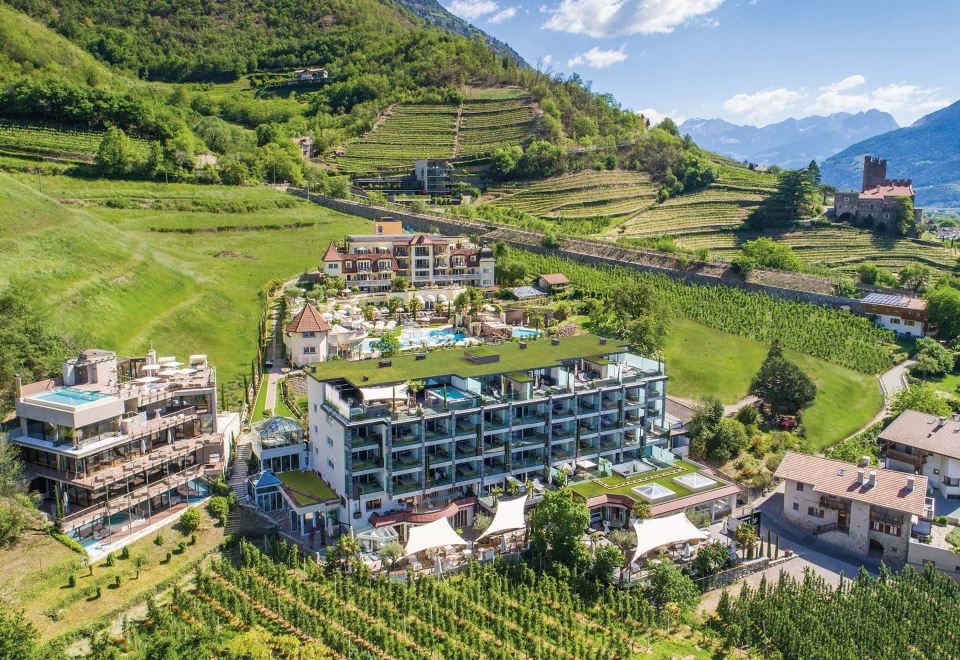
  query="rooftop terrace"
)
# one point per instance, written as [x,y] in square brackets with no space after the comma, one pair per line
[512,358]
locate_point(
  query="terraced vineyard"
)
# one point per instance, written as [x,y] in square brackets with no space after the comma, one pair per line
[581,196]
[837,246]
[484,612]
[408,132]
[45,141]
[724,203]
[486,120]
[486,124]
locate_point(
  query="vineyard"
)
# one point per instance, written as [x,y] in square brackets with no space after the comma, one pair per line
[836,246]
[482,123]
[833,335]
[44,141]
[504,611]
[725,203]
[906,615]
[583,196]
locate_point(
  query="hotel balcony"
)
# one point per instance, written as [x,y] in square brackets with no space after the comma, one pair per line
[366,487]
[405,487]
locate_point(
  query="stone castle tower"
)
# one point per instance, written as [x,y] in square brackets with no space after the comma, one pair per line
[874,172]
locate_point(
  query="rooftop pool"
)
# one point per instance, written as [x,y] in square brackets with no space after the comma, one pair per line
[69,396]
[524,333]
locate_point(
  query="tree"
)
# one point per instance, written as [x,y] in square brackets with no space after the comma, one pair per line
[729,439]
[556,526]
[399,283]
[18,637]
[767,253]
[190,521]
[641,510]
[388,344]
[915,276]
[636,313]
[943,311]
[902,215]
[481,522]
[116,154]
[668,584]
[415,305]
[510,273]
[813,173]
[782,384]
[707,413]
[920,397]
[933,358]
[606,560]
[504,160]
[391,553]
[624,539]
[745,536]
[394,305]
[793,199]
[344,552]
[711,558]
[139,563]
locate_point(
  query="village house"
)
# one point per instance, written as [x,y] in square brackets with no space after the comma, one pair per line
[306,337]
[864,510]
[905,315]
[553,283]
[309,75]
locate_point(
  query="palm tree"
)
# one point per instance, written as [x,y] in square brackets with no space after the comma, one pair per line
[394,305]
[415,305]
[496,492]
[414,387]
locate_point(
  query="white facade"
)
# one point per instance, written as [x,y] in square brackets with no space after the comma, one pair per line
[305,348]
[905,327]
[942,472]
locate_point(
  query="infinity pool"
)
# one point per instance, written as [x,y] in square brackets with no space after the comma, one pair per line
[70,396]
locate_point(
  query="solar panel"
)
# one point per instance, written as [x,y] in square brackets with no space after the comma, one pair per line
[888,299]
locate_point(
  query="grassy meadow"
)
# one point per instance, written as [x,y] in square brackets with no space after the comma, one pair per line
[109,277]
[701,360]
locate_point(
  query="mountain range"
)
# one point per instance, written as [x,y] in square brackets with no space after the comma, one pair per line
[790,143]
[434,12]
[928,152]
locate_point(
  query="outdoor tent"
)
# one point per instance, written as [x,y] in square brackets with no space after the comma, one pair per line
[508,516]
[437,534]
[656,532]
[396,392]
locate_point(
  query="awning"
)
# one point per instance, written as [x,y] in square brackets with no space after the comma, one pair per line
[653,533]
[586,464]
[384,393]
[432,535]
[509,516]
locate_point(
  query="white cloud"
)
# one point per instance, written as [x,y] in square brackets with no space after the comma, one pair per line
[504,15]
[472,9]
[851,94]
[546,61]
[764,104]
[611,18]
[596,58]
[655,116]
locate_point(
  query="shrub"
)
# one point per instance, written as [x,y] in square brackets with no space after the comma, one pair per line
[158,540]
[190,521]
[72,581]
[193,539]
[125,553]
[219,507]
[99,592]
[111,559]
[117,581]
[169,558]
[181,547]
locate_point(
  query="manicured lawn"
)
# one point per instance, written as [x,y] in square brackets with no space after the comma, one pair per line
[281,409]
[949,383]
[260,402]
[701,360]
[309,484]
[538,353]
[36,572]
[665,478]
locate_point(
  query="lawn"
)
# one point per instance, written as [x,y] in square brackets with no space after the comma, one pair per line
[261,401]
[948,383]
[108,277]
[281,409]
[312,488]
[36,572]
[701,360]
[663,477]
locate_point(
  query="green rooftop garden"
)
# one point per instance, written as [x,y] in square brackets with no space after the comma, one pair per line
[539,353]
[520,377]
[307,487]
[617,485]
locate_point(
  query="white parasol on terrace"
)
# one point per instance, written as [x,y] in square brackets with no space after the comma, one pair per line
[508,517]
[654,533]
[437,534]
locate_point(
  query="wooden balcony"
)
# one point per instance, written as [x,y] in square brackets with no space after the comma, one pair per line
[903,457]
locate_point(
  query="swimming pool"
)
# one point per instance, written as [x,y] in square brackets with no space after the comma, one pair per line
[70,396]
[524,333]
[414,337]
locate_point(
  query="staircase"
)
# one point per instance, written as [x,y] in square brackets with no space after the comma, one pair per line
[238,477]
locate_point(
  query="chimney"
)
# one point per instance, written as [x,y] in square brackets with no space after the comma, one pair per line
[860,476]
[873,478]
[911,482]
[940,423]
[864,461]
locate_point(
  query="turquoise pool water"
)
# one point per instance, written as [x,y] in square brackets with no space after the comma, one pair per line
[410,338]
[70,396]
[524,333]
[453,394]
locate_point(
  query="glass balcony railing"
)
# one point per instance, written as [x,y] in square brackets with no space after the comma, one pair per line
[463,474]
[366,464]
[404,440]
[527,463]
[403,487]
[404,462]
[367,487]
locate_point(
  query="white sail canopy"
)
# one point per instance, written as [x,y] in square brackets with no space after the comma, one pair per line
[437,534]
[509,516]
[653,533]
[389,393]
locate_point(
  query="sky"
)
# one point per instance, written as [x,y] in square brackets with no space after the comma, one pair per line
[746,61]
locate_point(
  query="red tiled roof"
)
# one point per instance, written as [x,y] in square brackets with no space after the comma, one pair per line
[421,518]
[924,431]
[554,279]
[887,191]
[841,479]
[308,319]
[332,254]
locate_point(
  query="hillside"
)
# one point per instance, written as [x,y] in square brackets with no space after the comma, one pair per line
[791,143]
[434,12]
[118,269]
[927,152]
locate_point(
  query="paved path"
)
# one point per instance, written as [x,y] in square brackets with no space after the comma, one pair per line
[729,410]
[894,379]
